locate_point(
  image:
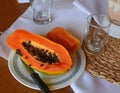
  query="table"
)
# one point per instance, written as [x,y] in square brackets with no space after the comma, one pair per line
[10,10]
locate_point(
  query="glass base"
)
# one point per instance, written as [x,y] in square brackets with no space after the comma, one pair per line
[115,30]
[42,21]
[91,52]
[116,22]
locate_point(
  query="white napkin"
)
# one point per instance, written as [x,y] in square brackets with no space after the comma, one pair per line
[63,13]
[87,83]
[97,6]
[92,6]
[23,1]
[89,6]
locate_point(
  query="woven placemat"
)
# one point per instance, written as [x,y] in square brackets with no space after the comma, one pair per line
[107,63]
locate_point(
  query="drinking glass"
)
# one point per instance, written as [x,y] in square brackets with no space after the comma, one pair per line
[41,11]
[114,15]
[114,11]
[97,33]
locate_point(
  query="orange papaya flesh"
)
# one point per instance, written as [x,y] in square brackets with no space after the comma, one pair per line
[39,52]
[63,37]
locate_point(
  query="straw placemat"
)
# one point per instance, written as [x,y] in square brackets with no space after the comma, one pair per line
[107,63]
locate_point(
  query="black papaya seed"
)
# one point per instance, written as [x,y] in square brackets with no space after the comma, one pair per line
[40,54]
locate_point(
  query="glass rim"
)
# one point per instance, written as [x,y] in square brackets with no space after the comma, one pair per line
[98,26]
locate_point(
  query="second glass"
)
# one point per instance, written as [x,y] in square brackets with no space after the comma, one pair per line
[41,11]
[114,11]
[97,33]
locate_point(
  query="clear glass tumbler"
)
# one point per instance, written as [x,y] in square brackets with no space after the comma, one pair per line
[97,33]
[114,15]
[114,11]
[41,11]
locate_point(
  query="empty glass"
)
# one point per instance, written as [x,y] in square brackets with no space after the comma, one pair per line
[114,15]
[96,33]
[114,11]
[41,11]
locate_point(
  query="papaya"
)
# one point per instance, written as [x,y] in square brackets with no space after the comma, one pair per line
[39,52]
[63,37]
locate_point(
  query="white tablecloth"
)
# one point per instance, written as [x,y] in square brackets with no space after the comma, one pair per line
[73,18]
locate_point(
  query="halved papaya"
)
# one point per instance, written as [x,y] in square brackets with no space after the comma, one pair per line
[63,37]
[39,52]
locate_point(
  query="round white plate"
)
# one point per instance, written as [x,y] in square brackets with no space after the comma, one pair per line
[54,82]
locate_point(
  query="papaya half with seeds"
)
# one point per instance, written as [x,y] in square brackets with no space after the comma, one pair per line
[39,52]
[63,37]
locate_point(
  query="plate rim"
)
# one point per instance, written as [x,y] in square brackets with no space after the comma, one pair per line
[33,86]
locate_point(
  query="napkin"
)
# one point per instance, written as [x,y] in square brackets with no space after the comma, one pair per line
[23,1]
[92,6]
[100,7]
[64,14]
[88,83]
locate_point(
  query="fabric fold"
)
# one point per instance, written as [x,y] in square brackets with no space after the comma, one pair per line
[23,1]
[61,13]
[92,6]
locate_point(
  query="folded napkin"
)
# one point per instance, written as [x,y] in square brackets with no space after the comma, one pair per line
[63,14]
[92,6]
[88,83]
[97,6]
[23,1]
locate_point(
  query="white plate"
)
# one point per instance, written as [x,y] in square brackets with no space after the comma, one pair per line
[54,82]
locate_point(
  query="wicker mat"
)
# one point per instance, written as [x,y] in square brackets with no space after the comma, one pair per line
[106,64]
